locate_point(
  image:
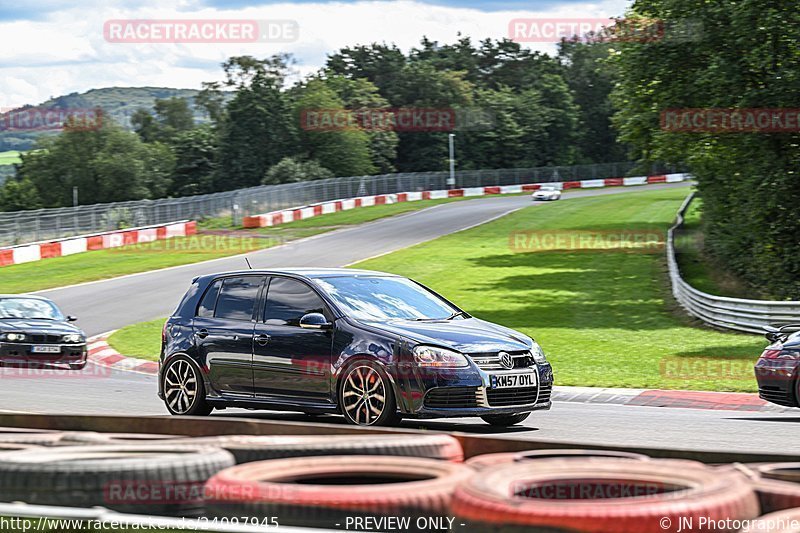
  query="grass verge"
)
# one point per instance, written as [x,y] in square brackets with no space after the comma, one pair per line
[215,240]
[142,340]
[697,268]
[10,157]
[605,317]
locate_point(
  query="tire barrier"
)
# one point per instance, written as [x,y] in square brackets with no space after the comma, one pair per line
[602,496]
[323,491]
[92,437]
[777,484]
[249,448]
[40,439]
[141,479]
[493,459]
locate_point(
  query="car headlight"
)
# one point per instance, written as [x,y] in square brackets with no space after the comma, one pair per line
[538,354]
[73,337]
[439,357]
[13,337]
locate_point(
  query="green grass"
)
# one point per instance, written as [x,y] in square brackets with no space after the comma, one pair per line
[216,240]
[10,157]
[605,318]
[697,268]
[142,340]
[104,264]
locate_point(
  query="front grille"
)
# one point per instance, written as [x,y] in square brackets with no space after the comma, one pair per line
[545,392]
[491,360]
[45,339]
[507,397]
[777,396]
[452,397]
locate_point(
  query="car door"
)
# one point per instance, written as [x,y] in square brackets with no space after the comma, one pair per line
[287,359]
[223,331]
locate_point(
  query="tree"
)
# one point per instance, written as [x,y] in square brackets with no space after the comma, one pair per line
[19,195]
[195,161]
[344,151]
[590,78]
[106,163]
[170,117]
[258,130]
[290,170]
[747,55]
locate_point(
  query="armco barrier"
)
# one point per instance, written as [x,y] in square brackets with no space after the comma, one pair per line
[731,313]
[275,218]
[45,250]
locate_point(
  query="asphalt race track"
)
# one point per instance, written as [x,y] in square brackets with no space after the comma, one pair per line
[106,305]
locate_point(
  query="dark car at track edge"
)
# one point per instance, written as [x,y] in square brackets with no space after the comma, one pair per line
[778,366]
[373,347]
[34,332]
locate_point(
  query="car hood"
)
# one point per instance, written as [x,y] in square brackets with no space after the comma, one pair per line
[471,335]
[29,325]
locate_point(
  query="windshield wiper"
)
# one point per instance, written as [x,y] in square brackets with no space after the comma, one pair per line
[455,315]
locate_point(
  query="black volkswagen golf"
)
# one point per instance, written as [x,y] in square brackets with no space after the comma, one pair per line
[374,347]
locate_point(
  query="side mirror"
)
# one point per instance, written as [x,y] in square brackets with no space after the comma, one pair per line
[71,318]
[315,321]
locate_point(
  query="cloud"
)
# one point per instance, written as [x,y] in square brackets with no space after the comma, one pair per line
[53,47]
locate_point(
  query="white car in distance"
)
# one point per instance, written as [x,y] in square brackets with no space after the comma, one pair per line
[546,193]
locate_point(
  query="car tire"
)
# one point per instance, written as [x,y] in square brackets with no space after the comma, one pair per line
[189,400]
[505,420]
[253,448]
[139,479]
[623,495]
[309,491]
[366,379]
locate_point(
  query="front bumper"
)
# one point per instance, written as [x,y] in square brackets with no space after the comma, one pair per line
[16,353]
[777,381]
[430,393]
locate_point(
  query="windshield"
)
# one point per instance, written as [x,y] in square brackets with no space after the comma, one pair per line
[382,298]
[29,308]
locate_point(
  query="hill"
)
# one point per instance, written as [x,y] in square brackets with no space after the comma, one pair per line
[117,102]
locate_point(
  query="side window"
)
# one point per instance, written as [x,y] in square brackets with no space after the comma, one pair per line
[288,300]
[238,297]
[209,301]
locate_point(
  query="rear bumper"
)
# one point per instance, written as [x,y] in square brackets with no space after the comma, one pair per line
[777,381]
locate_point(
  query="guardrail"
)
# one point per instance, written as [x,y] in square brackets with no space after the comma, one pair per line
[46,224]
[739,314]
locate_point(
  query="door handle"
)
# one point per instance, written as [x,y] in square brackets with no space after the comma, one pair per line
[202,334]
[262,339]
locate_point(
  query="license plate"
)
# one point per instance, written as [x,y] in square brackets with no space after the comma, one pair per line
[513,381]
[46,349]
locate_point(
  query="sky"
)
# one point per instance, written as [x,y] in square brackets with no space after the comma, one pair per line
[55,47]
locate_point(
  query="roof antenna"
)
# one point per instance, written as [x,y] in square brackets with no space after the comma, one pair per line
[248,263]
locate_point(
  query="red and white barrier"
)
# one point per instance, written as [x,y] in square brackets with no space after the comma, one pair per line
[74,245]
[301,213]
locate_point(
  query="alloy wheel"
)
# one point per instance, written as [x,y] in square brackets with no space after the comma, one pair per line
[180,386]
[364,395]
